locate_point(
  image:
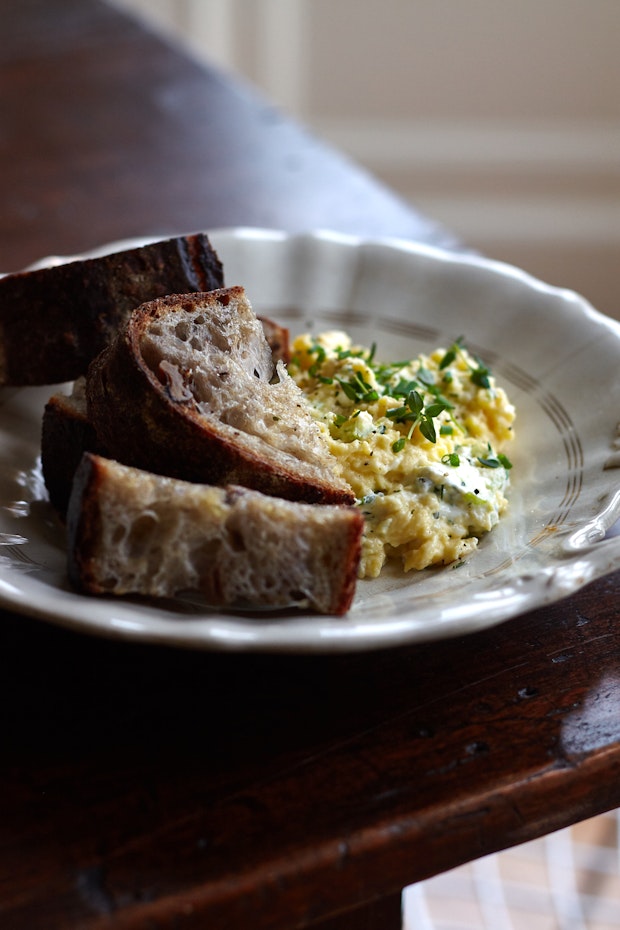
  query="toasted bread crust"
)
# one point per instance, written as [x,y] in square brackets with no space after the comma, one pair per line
[148,421]
[67,432]
[54,321]
[132,532]
[84,523]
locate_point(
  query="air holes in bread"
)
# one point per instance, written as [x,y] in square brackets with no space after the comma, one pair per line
[141,533]
[182,330]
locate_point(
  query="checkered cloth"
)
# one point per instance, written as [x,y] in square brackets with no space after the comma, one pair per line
[569,880]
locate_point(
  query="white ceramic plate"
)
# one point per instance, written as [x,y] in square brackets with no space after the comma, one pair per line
[559,360]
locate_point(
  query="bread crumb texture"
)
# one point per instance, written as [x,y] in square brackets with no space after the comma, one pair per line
[160,536]
[222,362]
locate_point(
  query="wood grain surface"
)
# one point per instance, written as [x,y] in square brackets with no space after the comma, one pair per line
[145,787]
[107,133]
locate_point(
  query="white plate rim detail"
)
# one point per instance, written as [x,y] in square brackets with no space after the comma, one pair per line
[566,495]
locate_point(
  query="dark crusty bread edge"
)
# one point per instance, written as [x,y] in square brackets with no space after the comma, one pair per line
[55,320]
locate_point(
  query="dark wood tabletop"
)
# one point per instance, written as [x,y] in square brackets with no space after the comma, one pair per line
[151,787]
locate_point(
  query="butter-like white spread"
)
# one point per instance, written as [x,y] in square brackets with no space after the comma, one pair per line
[421,442]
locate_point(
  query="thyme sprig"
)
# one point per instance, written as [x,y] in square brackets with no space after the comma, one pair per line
[358,390]
[480,374]
[489,460]
[493,460]
[416,413]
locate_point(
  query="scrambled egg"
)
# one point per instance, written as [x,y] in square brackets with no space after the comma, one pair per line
[421,442]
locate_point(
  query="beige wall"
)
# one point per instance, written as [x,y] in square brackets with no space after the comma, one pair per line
[501,119]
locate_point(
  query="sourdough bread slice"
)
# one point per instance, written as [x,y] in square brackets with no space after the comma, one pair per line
[189,389]
[55,320]
[67,433]
[133,532]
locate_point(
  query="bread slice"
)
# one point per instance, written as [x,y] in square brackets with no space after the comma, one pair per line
[67,432]
[133,532]
[278,339]
[55,320]
[188,389]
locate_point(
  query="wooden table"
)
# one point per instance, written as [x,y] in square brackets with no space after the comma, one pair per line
[145,787]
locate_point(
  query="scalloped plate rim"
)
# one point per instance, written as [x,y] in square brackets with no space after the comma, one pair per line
[586,555]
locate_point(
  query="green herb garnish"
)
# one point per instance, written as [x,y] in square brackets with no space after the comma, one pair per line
[452,353]
[491,460]
[480,373]
[416,413]
[357,389]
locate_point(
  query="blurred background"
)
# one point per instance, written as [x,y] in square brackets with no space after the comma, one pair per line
[501,120]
